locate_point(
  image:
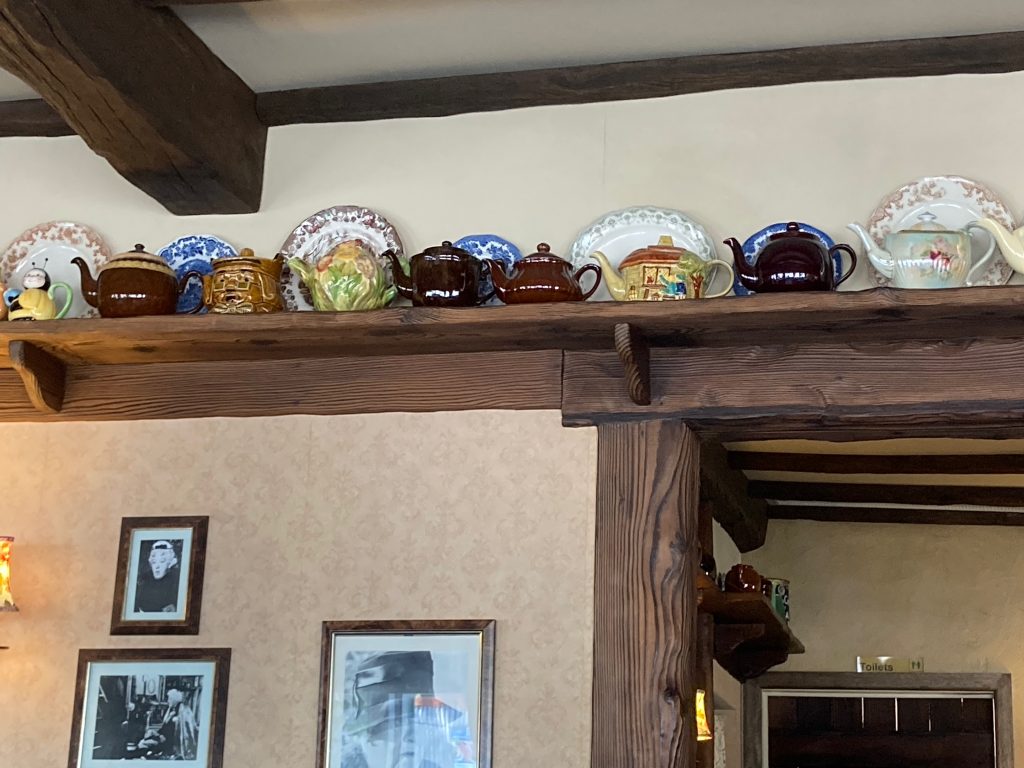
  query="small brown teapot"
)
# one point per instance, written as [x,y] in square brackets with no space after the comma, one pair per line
[542,277]
[792,260]
[441,276]
[131,284]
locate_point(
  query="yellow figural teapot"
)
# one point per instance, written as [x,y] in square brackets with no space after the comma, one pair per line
[35,300]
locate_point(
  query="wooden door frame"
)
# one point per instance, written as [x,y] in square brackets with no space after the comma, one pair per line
[995,683]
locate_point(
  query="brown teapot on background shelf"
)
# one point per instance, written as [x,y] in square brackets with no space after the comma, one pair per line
[541,277]
[240,285]
[131,284]
[441,276]
[792,260]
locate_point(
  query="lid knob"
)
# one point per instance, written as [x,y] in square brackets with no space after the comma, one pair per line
[792,227]
[666,240]
[139,248]
[446,243]
[247,253]
[543,248]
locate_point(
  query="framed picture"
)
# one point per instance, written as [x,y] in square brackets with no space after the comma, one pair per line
[158,589]
[406,693]
[135,706]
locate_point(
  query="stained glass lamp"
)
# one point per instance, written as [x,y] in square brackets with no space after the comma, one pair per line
[6,598]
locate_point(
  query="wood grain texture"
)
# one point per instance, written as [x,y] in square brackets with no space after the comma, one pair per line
[507,381]
[852,464]
[176,122]
[905,515]
[632,349]
[31,117]
[44,375]
[745,519]
[434,97]
[645,596]
[925,495]
[816,391]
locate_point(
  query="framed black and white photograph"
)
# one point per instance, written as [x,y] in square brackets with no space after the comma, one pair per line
[158,589]
[135,706]
[397,693]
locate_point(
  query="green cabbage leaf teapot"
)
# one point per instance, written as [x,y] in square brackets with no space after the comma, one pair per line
[926,254]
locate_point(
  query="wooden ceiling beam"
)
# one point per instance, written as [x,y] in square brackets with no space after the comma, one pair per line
[911,515]
[878,464]
[745,519]
[926,495]
[145,93]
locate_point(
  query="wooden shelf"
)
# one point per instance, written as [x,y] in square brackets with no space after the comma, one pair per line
[750,637]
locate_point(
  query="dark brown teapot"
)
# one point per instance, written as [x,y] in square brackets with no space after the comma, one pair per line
[542,277]
[441,276]
[131,284]
[793,260]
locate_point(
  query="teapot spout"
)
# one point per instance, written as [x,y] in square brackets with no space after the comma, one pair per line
[745,272]
[88,281]
[402,280]
[612,277]
[1011,244]
[880,258]
[499,277]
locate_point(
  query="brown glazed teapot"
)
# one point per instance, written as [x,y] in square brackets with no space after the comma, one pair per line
[792,260]
[542,277]
[131,284]
[441,276]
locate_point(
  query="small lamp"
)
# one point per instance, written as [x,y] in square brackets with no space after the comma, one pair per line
[6,598]
[703,729]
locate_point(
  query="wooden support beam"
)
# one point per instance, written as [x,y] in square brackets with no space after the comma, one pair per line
[813,391]
[745,519]
[880,464]
[645,596]
[31,117]
[434,97]
[144,92]
[636,361]
[911,515]
[43,375]
[925,495]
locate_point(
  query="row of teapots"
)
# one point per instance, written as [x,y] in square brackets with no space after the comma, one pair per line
[350,277]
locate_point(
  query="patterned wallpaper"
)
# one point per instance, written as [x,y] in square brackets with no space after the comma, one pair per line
[481,514]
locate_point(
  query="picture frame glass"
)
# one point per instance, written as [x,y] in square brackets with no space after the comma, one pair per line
[137,712]
[157,577]
[405,699]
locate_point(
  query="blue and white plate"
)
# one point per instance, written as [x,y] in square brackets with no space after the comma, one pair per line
[753,245]
[490,247]
[195,253]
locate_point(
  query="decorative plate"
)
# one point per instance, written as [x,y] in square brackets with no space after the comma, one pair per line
[619,233]
[52,246]
[195,253]
[753,245]
[316,236]
[490,247]
[955,202]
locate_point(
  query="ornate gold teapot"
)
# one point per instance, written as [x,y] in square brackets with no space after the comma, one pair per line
[240,285]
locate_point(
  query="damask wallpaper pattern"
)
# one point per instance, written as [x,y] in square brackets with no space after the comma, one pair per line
[482,514]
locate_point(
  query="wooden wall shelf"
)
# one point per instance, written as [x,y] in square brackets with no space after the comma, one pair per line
[750,638]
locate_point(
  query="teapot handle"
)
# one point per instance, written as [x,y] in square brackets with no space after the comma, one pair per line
[597,280]
[183,284]
[853,260]
[988,254]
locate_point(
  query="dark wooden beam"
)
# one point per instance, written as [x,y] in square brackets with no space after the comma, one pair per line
[31,117]
[43,375]
[912,515]
[145,93]
[926,495]
[854,464]
[743,518]
[815,391]
[636,362]
[434,97]
[645,596]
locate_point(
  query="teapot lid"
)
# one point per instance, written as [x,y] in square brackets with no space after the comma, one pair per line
[926,222]
[792,230]
[139,253]
[543,253]
[446,249]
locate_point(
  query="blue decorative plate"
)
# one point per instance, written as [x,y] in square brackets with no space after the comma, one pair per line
[195,253]
[753,245]
[490,247]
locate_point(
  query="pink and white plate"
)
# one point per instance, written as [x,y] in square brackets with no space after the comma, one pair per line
[52,246]
[315,237]
[955,202]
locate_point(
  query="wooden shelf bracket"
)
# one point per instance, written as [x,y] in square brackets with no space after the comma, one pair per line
[43,374]
[631,344]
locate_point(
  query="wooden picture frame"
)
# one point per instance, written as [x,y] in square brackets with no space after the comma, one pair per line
[158,586]
[136,705]
[380,680]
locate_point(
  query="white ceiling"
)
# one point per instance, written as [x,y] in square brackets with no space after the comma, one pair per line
[275,44]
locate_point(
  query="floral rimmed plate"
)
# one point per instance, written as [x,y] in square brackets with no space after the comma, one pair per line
[52,246]
[315,237]
[955,202]
[195,253]
[753,244]
[619,233]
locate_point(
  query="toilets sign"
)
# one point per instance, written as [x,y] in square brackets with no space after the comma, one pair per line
[889,664]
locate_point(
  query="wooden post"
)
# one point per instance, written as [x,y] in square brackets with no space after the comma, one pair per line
[645,597]
[704,654]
